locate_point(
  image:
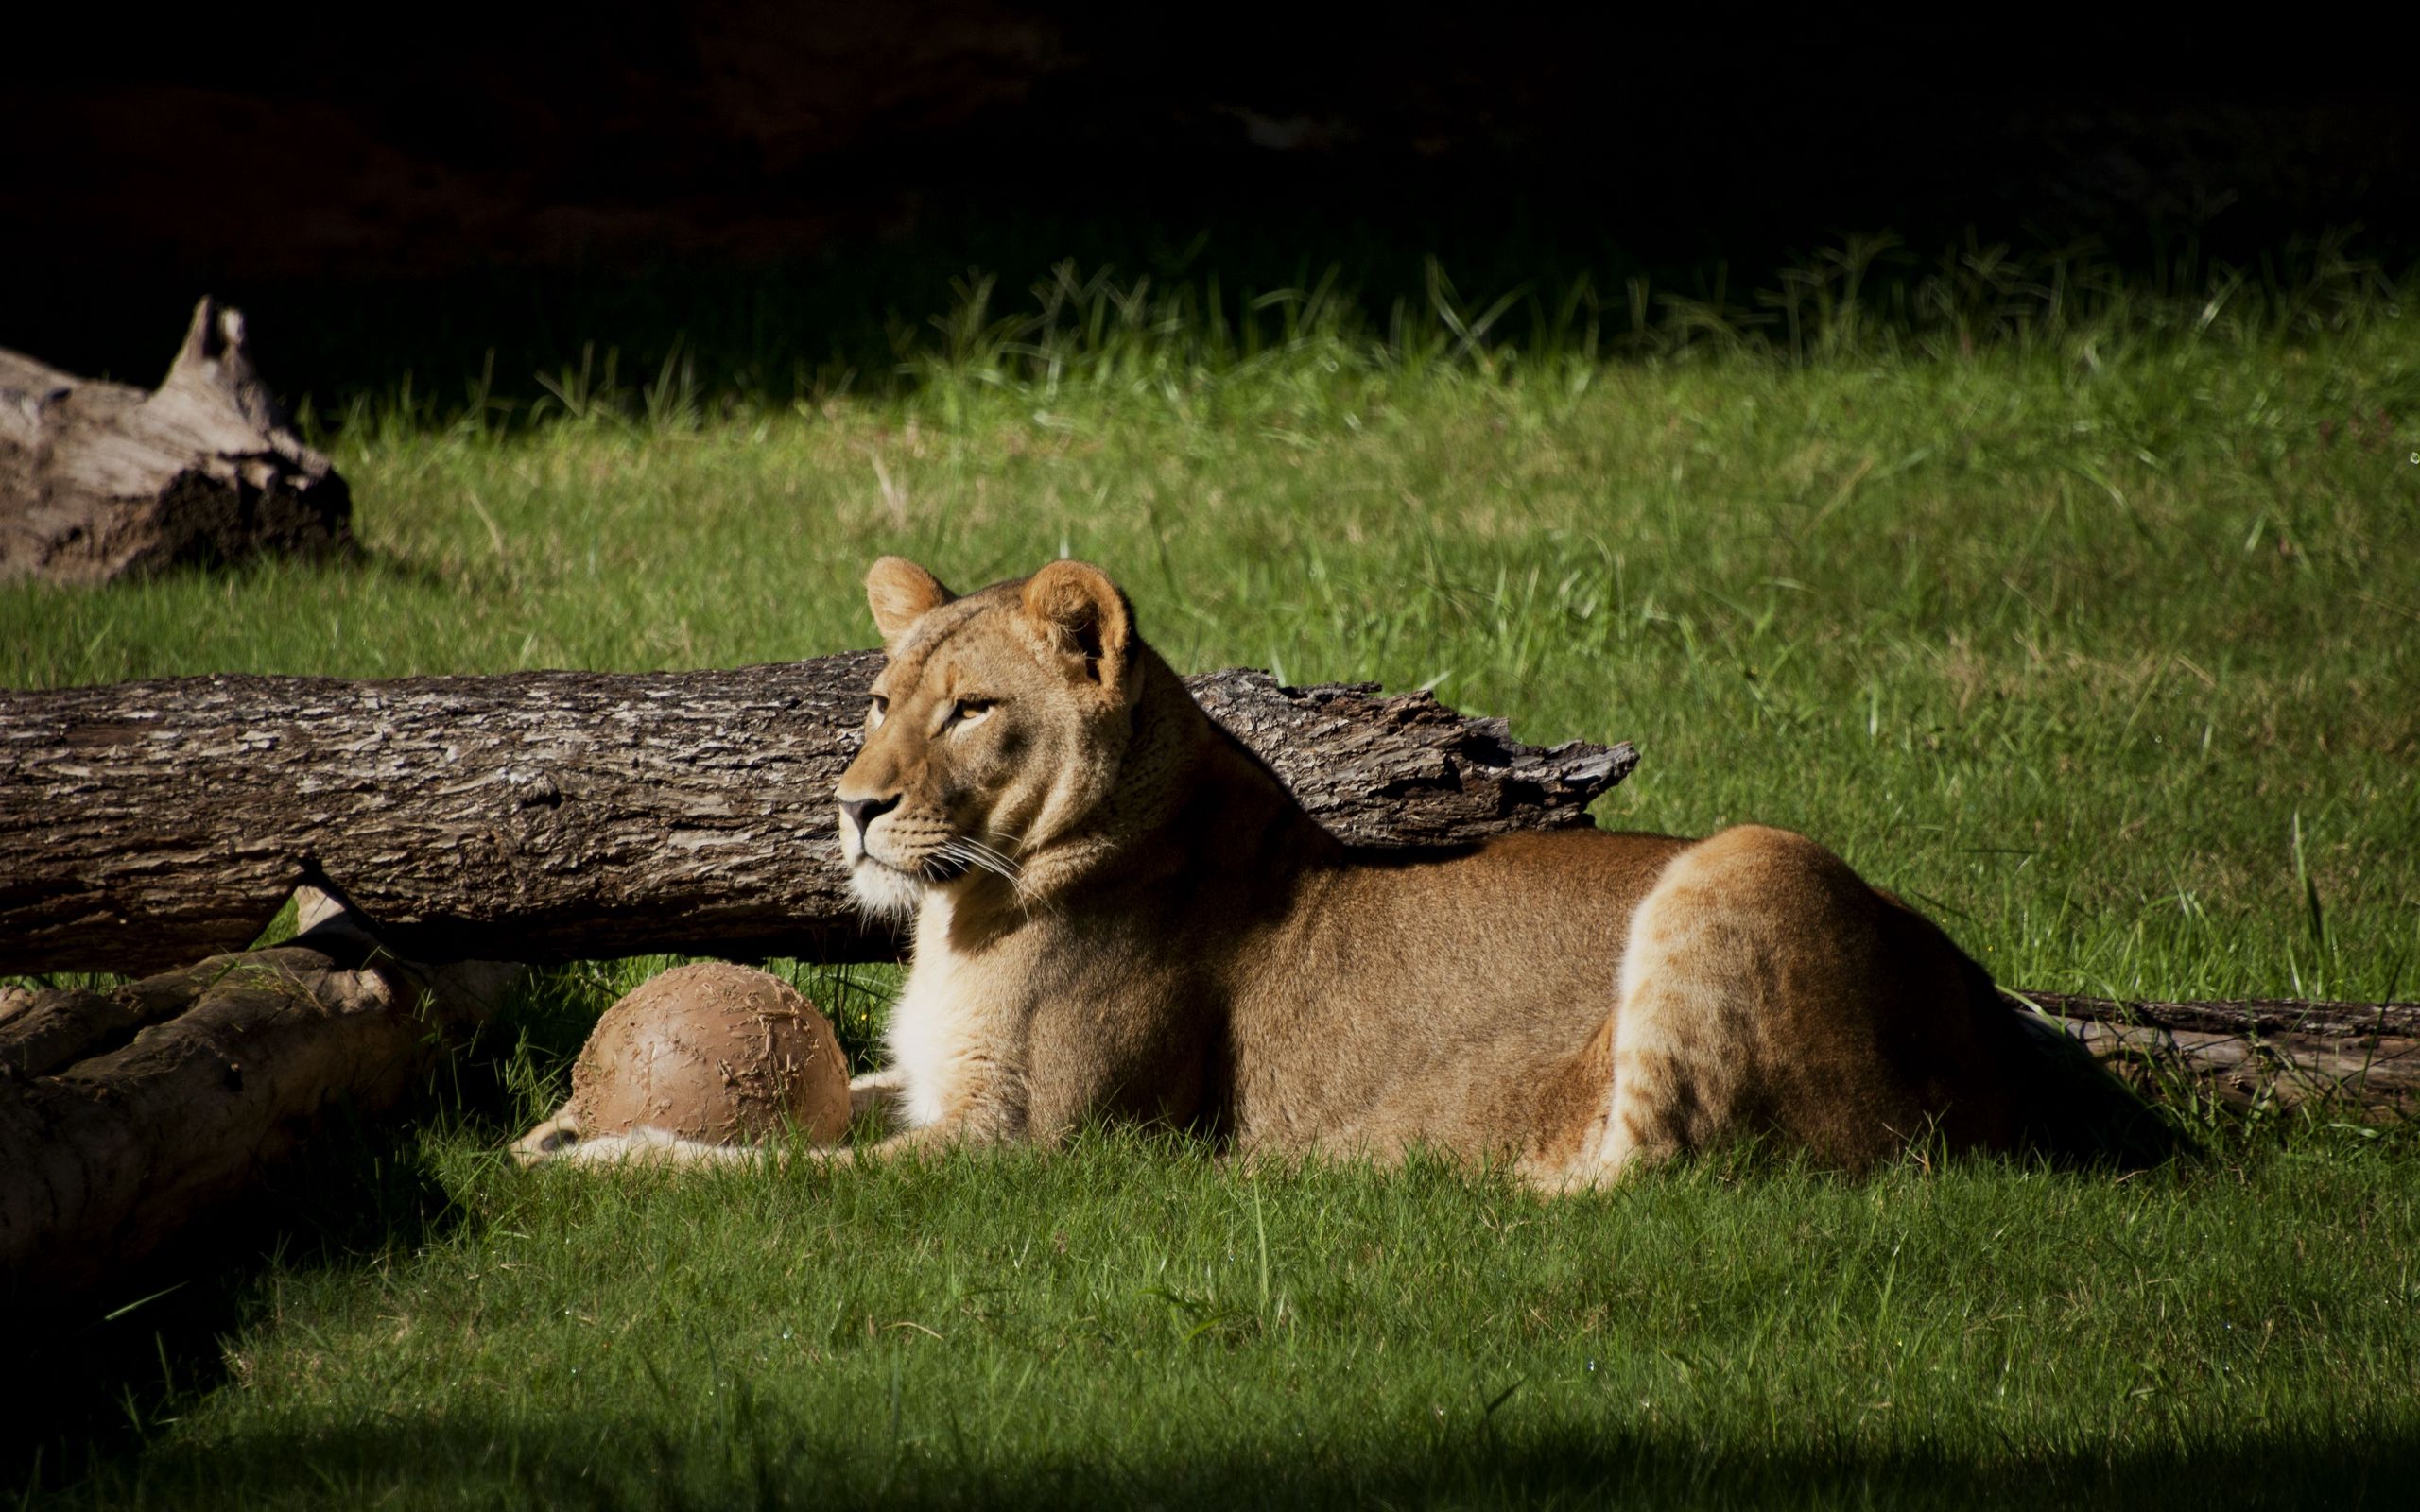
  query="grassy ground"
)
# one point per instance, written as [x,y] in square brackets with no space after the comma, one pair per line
[2102,642]
[1129,1324]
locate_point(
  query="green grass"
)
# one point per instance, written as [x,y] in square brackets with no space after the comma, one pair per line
[2097,634]
[1127,1324]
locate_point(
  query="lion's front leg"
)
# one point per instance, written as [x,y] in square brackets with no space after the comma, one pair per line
[644,1146]
[559,1141]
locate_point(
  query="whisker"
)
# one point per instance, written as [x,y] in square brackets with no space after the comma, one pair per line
[986,857]
[1007,866]
[975,853]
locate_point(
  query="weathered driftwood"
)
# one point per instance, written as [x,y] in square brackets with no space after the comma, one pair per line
[127,1115]
[2359,1057]
[558,815]
[99,480]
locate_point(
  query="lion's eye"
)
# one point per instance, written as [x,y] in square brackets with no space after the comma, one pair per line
[876,711]
[969,711]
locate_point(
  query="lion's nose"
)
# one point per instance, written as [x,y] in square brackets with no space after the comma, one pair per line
[864,811]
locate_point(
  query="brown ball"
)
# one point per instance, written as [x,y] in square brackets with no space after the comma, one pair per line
[712,1052]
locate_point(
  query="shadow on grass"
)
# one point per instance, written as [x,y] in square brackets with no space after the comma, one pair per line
[754,1459]
[116,1363]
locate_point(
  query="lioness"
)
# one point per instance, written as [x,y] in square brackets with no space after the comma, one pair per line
[1119,911]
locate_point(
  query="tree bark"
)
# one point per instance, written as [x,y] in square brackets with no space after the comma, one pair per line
[558,815]
[126,1116]
[100,481]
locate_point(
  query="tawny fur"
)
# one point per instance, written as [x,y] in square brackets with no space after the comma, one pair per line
[1121,913]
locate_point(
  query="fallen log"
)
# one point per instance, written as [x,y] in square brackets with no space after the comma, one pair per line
[2359,1059]
[126,1116]
[100,480]
[559,816]
[2312,1018]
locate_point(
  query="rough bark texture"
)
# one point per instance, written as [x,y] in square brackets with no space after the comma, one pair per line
[120,1133]
[559,816]
[2362,1059]
[100,481]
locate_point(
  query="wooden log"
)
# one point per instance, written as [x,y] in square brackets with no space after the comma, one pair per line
[99,480]
[40,1032]
[2358,1058]
[556,816]
[207,1077]
[2255,1016]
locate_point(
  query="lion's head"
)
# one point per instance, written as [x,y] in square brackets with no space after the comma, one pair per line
[996,733]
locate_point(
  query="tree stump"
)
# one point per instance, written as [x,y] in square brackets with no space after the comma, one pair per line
[100,481]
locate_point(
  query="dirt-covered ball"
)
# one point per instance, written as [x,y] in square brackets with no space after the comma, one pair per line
[716,1052]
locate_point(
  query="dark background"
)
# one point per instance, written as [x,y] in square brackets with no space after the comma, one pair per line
[523,178]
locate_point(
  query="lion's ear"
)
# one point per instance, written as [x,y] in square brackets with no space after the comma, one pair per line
[1083,615]
[900,594]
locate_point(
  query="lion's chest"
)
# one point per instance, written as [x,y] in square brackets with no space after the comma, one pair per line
[952,1039]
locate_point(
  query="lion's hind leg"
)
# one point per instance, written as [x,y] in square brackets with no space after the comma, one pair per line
[1766,991]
